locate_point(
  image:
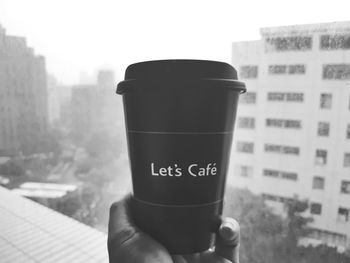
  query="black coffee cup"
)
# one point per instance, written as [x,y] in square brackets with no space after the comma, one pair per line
[179,118]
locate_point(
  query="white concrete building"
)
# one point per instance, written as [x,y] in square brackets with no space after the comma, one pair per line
[292,133]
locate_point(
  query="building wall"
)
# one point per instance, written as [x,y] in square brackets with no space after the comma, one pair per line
[23,96]
[97,107]
[308,112]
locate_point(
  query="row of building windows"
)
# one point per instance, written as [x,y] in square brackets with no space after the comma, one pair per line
[329,71]
[280,174]
[281,123]
[249,123]
[250,97]
[247,171]
[325,98]
[320,156]
[289,43]
[248,147]
[343,213]
[285,96]
[315,208]
[318,182]
[287,69]
[282,149]
[302,43]
[323,128]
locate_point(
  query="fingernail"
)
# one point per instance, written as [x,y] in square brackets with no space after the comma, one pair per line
[227,230]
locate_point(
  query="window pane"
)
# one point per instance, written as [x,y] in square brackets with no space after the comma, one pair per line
[315,208]
[336,71]
[281,149]
[246,122]
[296,69]
[336,41]
[277,69]
[248,72]
[323,129]
[248,98]
[318,182]
[343,214]
[321,157]
[346,159]
[244,170]
[345,187]
[245,147]
[326,101]
[292,43]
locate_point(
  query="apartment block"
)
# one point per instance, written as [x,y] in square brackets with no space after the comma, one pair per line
[23,96]
[292,135]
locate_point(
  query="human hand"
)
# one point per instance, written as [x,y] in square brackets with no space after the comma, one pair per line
[128,244]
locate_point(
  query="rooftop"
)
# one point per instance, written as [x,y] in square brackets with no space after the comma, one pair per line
[334,27]
[30,232]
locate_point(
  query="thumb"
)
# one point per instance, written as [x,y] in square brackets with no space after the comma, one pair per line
[227,240]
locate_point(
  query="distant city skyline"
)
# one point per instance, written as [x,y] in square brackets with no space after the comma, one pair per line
[78,38]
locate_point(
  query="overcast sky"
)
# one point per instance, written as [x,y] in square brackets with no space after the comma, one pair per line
[83,36]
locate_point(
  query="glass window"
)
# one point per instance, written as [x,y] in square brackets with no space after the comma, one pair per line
[272,148]
[343,214]
[337,41]
[244,170]
[292,124]
[336,71]
[315,208]
[289,176]
[274,123]
[281,149]
[245,147]
[276,96]
[345,187]
[290,150]
[321,157]
[271,173]
[346,159]
[248,98]
[326,101]
[277,69]
[318,183]
[323,129]
[246,122]
[248,72]
[296,69]
[295,96]
[289,124]
[284,96]
[292,43]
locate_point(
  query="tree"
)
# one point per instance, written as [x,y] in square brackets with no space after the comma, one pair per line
[261,230]
[270,238]
[12,167]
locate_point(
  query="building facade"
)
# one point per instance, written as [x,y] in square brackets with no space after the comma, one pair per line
[292,135]
[96,107]
[23,96]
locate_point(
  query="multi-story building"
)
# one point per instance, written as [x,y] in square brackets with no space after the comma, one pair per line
[59,97]
[96,107]
[292,135]
[23,96]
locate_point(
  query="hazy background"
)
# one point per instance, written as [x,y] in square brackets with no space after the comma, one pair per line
[69,93]
[78,37]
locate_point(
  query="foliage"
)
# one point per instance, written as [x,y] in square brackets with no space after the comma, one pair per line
[12,167]
[270,238]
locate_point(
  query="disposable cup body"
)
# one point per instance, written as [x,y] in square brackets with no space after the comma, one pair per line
[179,132]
